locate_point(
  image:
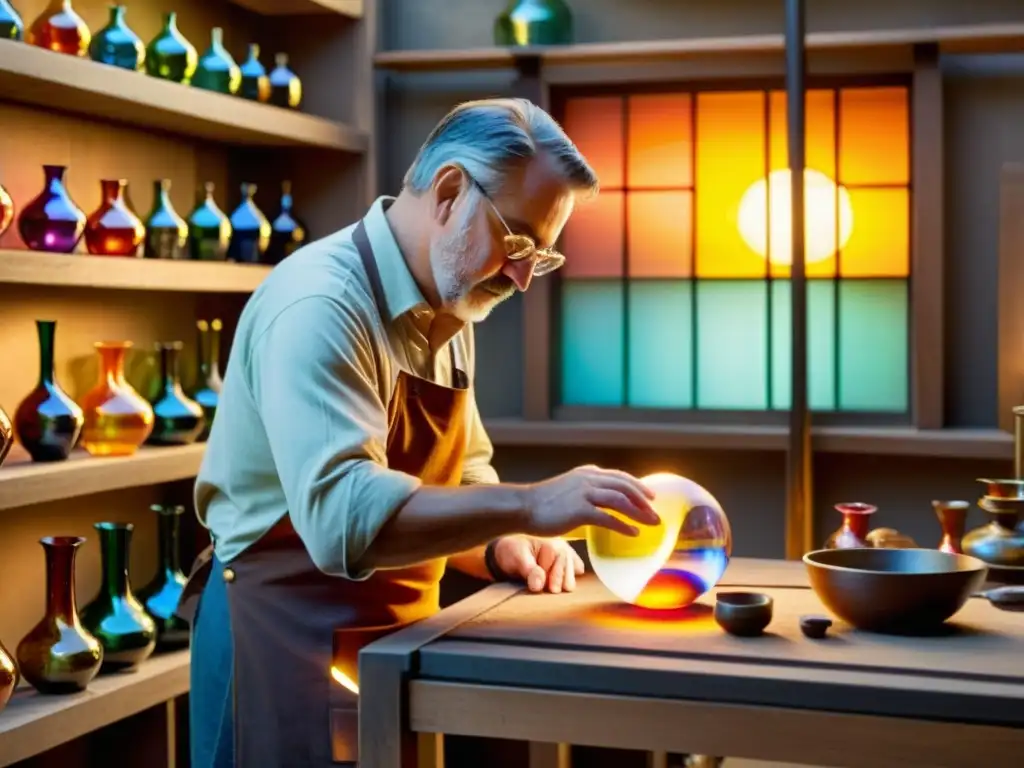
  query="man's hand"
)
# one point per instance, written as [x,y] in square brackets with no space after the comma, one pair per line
[541,563]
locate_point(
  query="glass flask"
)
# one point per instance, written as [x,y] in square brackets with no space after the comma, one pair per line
[169,55]
[60,29]
[671,564]
[117,419]
[113,229]
[52,222]
[116,44]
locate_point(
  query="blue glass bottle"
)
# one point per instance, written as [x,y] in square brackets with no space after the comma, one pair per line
[255,83]
[116,44]
[11,25]
[250,230]
[287,232]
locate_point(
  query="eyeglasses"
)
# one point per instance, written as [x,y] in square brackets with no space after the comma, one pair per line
[519,247]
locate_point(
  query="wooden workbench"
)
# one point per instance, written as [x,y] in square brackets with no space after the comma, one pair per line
[582,668]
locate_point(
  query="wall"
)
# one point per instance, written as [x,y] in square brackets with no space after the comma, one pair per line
[984,115]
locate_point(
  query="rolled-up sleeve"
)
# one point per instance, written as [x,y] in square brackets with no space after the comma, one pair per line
[313,377]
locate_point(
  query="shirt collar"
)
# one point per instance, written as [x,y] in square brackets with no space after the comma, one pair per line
[400,290]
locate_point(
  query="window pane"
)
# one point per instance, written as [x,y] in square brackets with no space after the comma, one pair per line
[821,344]
[596,127]
[592,338]
[879,244]
[730,159]
[660,141]
[660,344]
[873,368]
[660,234]
[593,236]
[732,344]
[874,136]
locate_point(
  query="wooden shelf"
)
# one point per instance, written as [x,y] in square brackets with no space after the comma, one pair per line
[35,268]
[32,723]
[982,38]
[893,441]
[23,483]
[35,76]
[351,8]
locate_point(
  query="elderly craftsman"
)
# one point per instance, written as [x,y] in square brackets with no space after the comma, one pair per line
[348,463]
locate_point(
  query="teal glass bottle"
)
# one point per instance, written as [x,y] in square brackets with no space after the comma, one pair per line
[116,617]
[250,230]
[178,419]
[160,597]
[166,231]
[255,83]
[287,232]
[285,86]
[11,25]
[209,231]
[534,22]
[217,71]
[116,44]
[170,56]
[208,384]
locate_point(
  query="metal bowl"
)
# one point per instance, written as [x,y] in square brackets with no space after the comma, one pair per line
[899,591]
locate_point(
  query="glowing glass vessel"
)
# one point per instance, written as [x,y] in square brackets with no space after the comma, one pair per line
[669,565]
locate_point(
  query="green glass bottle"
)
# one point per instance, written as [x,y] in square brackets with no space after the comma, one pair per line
[170,56]
[160,597]
[11,25]
[217,71]
[116,44]
[115,617]
[209,230]
[534,22]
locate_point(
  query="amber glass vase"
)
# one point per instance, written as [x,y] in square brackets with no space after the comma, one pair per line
[48,422]
[60,29]
[113,229]
[179,420]
[117,419]
[160,597]
[51,221]
[206,390]
[116,617]
[59,655]
[8,676]
[6,435]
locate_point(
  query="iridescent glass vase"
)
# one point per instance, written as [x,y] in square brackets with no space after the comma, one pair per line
[217,71]
[113,229]
[287,232]
[48,422]
[853,533]
[285,86]
[117,419]
[6,435]
[52,222]
[166,231]
[534,22]
[61,30]
[59,655]
[160,597]
[8,676]
[250,230]
[208,384]
[116,44]
[11,25]
[6,210]
[169,55]
[255,83]
[115,617]
[209,231]
[178,420]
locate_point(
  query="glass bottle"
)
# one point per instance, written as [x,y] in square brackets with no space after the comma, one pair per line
[255,83]
[117,420]
[11,25]
[285,86]
[166,231]
[59,655]
[113,229]
[47,421]
[116,44]
[287,232]
[169,55]
[854,530]
[250,230]
[6,435]
[8,676]
[209,230]
[179,420]
[534,22]
[160,597]
[52,222]
[115,617]
[6,210]
[206,392]
[217,71]
[953,518]
[60,29]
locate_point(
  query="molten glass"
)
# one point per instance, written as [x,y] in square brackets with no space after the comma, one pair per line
[669,565]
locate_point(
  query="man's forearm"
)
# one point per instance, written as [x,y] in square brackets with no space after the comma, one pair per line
[438,521]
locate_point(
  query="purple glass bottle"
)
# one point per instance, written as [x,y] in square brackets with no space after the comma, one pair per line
[52,222]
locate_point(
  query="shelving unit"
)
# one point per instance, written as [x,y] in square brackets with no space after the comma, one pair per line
[351,8]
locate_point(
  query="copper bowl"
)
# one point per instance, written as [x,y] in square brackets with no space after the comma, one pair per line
[897,591]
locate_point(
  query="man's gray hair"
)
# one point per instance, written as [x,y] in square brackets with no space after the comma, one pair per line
[492,136]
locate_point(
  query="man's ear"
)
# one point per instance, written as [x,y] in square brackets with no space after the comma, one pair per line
[448,183]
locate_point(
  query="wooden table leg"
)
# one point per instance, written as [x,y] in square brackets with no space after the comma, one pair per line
[545,755]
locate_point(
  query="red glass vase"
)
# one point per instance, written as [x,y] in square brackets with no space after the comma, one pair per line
[6,210]
[853,533]
[61,30]
[113,229]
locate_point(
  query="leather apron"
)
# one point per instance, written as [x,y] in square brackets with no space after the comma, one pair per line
[297,631]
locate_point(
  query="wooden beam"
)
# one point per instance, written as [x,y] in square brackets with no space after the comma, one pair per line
[1010,278]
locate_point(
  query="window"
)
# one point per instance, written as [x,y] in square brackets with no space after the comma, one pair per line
[675,294]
